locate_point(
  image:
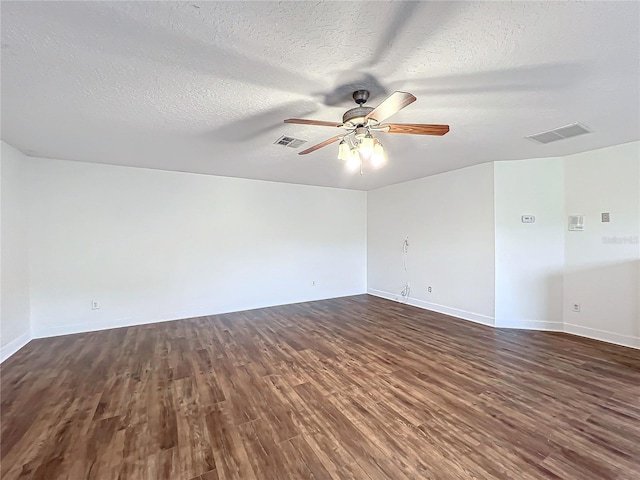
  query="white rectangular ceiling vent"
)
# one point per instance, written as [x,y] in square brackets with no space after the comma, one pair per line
[561,133]
[289,141]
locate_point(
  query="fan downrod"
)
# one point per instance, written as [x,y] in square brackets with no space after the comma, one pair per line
[361,96]
[357,115]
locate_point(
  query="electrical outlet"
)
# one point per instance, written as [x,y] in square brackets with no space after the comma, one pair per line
[576,307]
[429,289]
[605,217]
[313,283]
[95,305]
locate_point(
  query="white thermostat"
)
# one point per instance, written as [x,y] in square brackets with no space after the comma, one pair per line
[528,219]
[576,223]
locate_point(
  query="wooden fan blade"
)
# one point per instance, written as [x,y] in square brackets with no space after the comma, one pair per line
[303,121]
[320,145]
[392,104]
[413,128]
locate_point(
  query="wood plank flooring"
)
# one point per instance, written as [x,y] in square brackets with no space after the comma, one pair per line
[350,388]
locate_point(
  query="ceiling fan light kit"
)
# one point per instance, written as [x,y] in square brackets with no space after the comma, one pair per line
[367,149]
[358,144]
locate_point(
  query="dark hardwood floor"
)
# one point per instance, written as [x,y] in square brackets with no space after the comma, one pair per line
[356,387]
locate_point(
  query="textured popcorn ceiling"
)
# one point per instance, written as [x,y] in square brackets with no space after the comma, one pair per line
[204,86]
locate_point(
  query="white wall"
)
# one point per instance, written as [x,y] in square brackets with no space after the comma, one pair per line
[541,269]
[14,290]
[602,262]
[449,219]
[529,257]
[152,245]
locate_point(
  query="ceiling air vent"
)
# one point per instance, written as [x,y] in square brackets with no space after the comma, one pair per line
[561,133]
[289,141]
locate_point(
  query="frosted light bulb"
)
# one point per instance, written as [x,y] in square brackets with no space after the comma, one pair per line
[344,151]
[354,160]
[366,146]
[378,157]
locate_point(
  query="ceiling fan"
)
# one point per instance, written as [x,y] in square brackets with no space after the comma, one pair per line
[358,144]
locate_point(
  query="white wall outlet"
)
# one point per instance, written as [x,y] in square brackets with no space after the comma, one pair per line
[429,289]
[605,217]
[528,219]
[313,283]
[95,305]
[576,307]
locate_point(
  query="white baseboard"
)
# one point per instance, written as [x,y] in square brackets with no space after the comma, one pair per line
[531,325]
[434,307]
[616,338]
[53,331]
[59,330]
[202,311]
[14,345]
[540,325]
[40,331]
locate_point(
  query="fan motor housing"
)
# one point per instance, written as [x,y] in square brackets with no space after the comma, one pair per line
[356,115]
